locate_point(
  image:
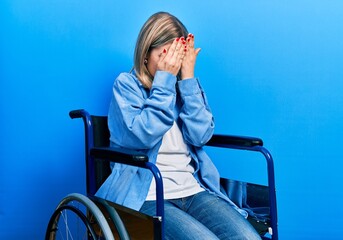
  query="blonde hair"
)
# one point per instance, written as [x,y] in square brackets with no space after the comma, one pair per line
[161,28]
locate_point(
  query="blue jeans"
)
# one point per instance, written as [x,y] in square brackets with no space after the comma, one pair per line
[202,216]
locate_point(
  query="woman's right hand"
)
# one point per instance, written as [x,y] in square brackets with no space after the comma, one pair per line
[171,58]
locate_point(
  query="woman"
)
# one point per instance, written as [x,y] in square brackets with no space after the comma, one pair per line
[159,108]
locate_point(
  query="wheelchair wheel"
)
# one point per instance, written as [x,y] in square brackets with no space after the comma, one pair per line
[77,217]
[114,219]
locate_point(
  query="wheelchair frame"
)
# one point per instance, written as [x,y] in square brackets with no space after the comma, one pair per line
[95,153]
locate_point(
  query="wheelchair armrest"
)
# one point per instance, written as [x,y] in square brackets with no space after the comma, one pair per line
[117,155]
[137,159]
[218,140]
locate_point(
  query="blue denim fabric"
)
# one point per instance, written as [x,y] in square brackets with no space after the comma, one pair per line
[202,216]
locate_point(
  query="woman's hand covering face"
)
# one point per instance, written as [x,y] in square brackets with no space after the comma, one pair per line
[171,58]
[180,55]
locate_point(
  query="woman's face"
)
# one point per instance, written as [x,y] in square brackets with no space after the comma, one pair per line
[154,58]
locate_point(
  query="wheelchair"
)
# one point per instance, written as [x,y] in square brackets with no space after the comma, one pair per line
[88,217]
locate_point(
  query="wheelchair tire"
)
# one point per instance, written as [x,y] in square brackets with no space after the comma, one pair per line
[77,217]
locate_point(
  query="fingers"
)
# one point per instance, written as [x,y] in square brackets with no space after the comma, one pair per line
[179,51]
[197,51]
[171,59]
[191,52]
[163,54]
[188,62]
[176,50]
[190,40]
[174,47]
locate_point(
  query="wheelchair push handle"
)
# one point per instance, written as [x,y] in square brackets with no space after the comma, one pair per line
[79,113]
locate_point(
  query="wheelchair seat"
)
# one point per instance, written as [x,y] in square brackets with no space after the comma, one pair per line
[102,219]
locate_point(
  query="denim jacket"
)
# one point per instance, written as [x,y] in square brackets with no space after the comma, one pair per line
[139,117]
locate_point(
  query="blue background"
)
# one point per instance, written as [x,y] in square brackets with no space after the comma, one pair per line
[271,69]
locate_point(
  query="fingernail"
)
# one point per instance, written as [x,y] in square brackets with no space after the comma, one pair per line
[188,39]
[183,42]
[177,39]
[164,50]
[192,36]
[182,38]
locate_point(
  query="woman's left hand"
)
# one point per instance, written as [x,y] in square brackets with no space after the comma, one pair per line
[188,61]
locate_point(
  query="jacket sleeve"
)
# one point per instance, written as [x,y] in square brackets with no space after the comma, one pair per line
[198,122]
[138,121]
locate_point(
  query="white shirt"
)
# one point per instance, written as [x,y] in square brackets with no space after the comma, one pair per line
[173,161]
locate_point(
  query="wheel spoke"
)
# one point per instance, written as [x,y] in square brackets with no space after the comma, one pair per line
[65,220]
[77,218]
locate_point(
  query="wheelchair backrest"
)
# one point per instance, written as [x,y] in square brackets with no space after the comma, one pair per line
[101,138]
